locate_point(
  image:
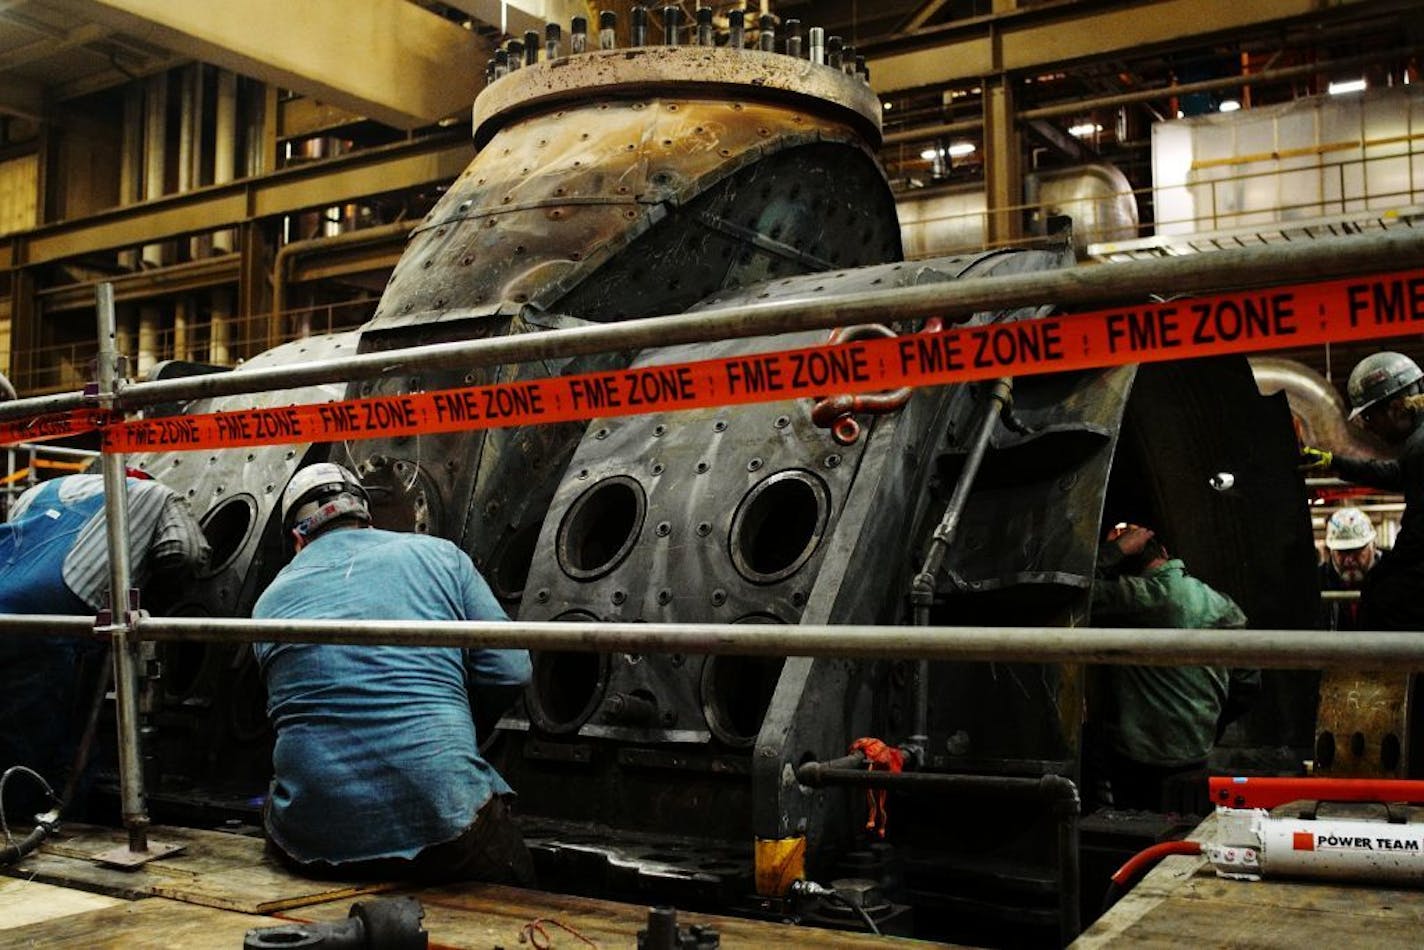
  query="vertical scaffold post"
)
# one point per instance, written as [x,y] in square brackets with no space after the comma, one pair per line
[125,647]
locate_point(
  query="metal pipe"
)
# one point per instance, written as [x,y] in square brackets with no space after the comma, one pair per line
[125,646]
[818,45]
[1147,646]
[46,625]
[1193,274]
[224,165]
[531,47]
[793,38]
[1083,106]
[578,35]
[1067,811]
[672,25]
[607,30]
[931,132]
[58,451]
[922,590]
[944,532]
[553,41]
[766,35]
[289,253]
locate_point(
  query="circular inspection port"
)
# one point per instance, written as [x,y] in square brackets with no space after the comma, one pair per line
[513,557]
[778,525]
[185,665]
[601,527]
[737,690]
[566,687]
[226,528]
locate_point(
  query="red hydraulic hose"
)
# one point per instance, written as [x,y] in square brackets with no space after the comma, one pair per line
[1126,875]
[1150,856]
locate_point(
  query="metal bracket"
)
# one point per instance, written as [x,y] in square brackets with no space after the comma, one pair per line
[127,859]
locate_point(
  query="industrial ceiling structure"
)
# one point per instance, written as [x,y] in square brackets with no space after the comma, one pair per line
[234,137]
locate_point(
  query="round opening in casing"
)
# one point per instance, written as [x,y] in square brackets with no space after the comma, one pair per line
[226,528]
[778,525]
[601,527]
[736,692]
[509,567]
[566,687]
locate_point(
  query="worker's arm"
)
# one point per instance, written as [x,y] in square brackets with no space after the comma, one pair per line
[1377,473]
[179,548]
[495,677]
[1127,595]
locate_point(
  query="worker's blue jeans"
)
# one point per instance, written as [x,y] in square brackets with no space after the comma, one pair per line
[43,708]
[491,849]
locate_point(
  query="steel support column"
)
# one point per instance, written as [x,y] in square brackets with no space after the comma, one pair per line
[1003,164]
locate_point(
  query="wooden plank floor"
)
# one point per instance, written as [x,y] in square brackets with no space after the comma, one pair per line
[1183,903]
[219,886]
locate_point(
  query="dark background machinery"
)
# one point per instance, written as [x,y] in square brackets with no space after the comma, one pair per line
[626,183]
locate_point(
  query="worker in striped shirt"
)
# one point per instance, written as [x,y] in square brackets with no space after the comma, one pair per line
[54,559]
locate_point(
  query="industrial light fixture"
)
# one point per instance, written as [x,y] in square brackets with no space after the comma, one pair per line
[1347,85]
[1084,129]
[1228,105]
[957,150]
[887,106]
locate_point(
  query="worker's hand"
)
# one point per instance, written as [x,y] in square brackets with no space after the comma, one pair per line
[1314,461]
[1130,538]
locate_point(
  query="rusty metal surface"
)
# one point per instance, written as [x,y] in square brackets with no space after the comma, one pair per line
[234,494]
[602,210]
[549,202]
[636,72]
[1363,725]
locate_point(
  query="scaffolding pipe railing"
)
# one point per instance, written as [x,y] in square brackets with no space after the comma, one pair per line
[1114,646]
[125,652]
[1117,646]
[1130,282]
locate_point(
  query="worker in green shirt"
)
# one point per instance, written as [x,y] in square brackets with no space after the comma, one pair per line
[1160,722]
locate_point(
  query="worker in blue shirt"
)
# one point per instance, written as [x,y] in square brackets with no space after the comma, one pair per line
[54,560]
[377,772]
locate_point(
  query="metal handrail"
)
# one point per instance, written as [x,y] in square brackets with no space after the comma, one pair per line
[1278,649]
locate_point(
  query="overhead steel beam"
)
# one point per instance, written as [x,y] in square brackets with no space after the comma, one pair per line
[375,171]
[52,45]
[923,15]
[21,97]
[144,285]
[388,59]
[1055,34]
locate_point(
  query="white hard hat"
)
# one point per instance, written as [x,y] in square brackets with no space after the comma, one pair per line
[315,484]
[1348,529]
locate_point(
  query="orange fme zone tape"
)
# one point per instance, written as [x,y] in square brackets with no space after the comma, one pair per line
[55,425]
[1249,321]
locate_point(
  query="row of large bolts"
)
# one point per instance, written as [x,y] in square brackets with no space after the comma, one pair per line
[823,50]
